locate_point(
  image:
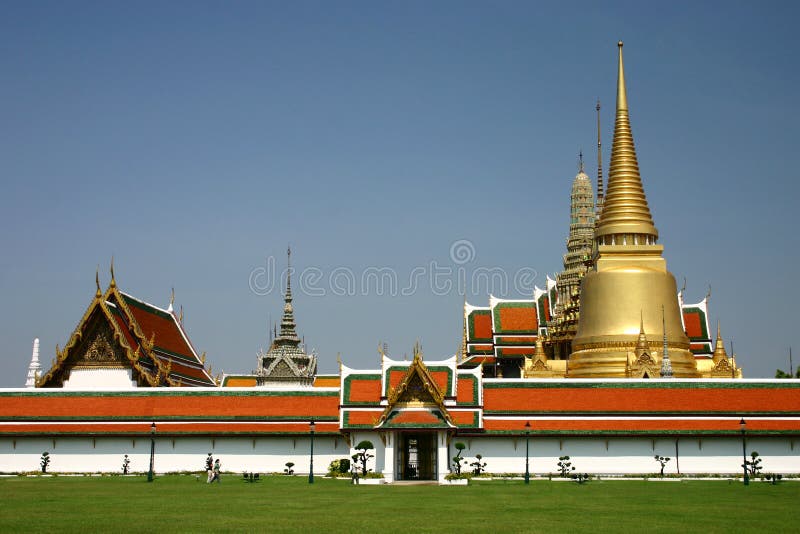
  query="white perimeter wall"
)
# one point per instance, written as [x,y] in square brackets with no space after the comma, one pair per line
[632,455]
[502,454]
[105,454]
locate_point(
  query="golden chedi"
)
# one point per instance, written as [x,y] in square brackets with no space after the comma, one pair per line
[629,282]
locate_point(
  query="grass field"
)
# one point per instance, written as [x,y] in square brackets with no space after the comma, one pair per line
[181,503]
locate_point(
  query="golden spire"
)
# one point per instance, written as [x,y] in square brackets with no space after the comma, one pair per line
[625,209]
[539,353]
[641,344]
[600,188]
[113,278]
[98,293]
[464,332]
[719,347]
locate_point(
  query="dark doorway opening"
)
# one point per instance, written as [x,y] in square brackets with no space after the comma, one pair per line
[417,456]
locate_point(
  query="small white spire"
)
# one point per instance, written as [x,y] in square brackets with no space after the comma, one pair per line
[34,367]
[666,365]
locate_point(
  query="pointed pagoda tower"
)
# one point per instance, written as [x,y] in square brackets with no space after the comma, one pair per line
[35,368]
[629,279]
[286,362]
[562,328]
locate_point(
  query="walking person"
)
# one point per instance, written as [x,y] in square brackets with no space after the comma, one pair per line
[209,469]
[216,470]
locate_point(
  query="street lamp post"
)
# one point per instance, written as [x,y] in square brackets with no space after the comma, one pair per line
[311,468]
[743,425]
[152,451]
[527,452]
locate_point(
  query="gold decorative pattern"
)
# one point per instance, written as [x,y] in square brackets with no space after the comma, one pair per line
[418,388]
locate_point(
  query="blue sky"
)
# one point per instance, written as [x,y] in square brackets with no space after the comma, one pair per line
[195,140]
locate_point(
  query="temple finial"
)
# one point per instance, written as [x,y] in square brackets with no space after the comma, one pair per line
[34,369]
[642,346]
[180,317]
[625,209]
[719,347]
[98,293]
[580,160]
[289,274]
[666,365]
[622,96]
[600,187]
[113,282]
[171,300]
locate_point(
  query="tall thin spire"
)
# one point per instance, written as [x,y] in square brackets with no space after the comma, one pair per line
[600,190]
[580,161]
[719,347]
[463,348]
[666,365]
[625,209]
[35,367]
[288,326]
[641,344]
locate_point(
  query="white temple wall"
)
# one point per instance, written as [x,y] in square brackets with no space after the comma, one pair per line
[502,454]
[100,379]
[631,455]
[105,454]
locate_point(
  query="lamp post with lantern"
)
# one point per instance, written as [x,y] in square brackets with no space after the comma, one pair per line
[527,452]
[152,451]
[743,426]
[311,468]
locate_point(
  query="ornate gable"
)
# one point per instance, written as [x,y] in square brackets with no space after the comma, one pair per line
[98,342]
[110,335]
[416,392]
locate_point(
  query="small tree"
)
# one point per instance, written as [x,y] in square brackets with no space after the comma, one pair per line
[663,461]
[478,466]
[565,466]
[580,478]
[457,459]
[126,462]
[363,456]
[344,465]
[45,461]
[754,464]
[289,470]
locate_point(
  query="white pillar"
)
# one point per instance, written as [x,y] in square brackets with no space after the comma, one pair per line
[442,456]
[388,457]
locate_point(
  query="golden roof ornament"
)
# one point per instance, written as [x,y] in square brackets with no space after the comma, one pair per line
[719,347]
[113,282]
[98,293]
[625,209]
[642,346]
[600,188]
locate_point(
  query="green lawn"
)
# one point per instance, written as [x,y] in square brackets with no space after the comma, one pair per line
[181,503]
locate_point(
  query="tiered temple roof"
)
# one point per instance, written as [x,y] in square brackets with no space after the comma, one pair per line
[564,324]
[120,332]
[286,361]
